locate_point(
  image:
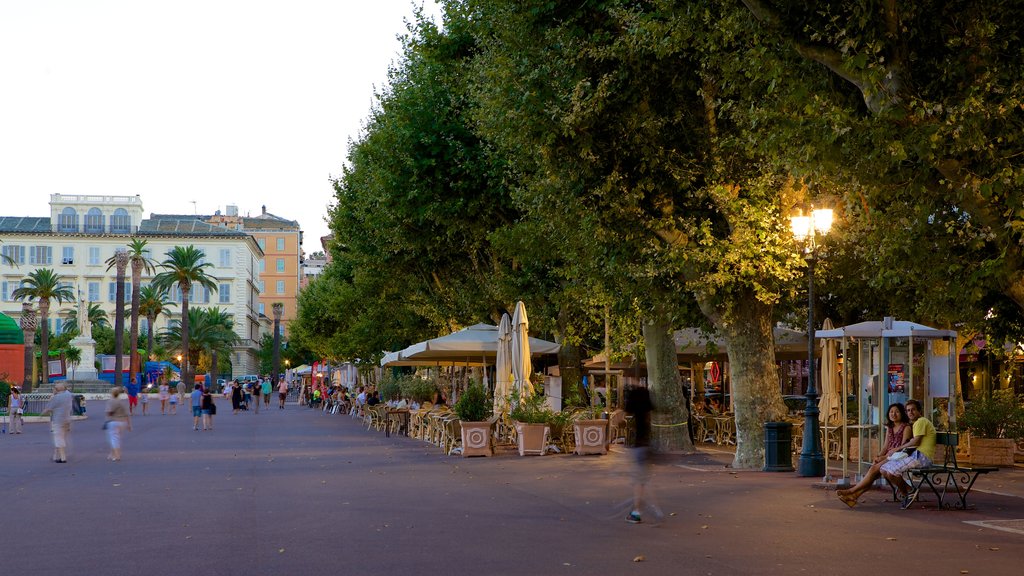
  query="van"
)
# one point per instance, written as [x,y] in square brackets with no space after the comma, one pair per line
[248,378]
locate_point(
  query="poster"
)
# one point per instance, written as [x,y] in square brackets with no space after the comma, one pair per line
[897,381]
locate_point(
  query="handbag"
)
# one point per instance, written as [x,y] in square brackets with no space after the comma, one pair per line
[106,424]
[898,455]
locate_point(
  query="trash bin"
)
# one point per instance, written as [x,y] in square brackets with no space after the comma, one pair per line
[778,447]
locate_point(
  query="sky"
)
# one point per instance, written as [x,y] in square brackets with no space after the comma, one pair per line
[193,105]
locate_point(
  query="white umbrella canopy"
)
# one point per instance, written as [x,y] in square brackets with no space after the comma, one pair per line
[521,365]
[831,394]
[473,345]
[503,365]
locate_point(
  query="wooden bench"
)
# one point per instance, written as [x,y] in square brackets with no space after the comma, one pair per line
[949,477]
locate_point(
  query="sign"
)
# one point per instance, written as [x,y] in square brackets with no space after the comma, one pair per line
[716,372]
[897,381]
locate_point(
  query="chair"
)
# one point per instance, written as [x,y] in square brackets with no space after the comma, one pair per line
[617,426]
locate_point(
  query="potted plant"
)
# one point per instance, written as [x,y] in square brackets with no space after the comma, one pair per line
[473,409]
[590,433]
[995,423]
[531,417]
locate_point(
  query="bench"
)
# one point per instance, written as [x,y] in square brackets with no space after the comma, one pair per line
[949,477]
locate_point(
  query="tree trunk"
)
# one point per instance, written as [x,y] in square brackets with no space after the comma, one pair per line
[149,337]
[187,381]
[669,421]
[133,331]
[44,338]
[756,394]
[122,261]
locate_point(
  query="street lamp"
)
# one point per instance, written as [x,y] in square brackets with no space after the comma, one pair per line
[278,309]
[805,228]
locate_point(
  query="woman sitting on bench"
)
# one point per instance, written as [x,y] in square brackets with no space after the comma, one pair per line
[897,433]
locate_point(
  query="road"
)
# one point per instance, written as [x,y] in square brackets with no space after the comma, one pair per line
[301,492]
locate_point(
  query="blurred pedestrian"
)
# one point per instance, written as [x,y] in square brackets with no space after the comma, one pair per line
[119,419]
[268,387]
[208,409]
[15,410]
[165,394]
[282,392]
[173,400]
[197,401]
[59,409]
[144,400]
[133,395]
[638,404]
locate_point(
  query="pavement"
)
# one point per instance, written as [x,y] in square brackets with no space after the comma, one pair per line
[303,492]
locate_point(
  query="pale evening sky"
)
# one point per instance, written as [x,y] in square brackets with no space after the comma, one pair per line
[215,101]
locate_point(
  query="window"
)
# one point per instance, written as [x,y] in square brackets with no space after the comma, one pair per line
[263,286]
[202,294]
[58,325]
[67,255]
[280,286]
[94,221]
[67,221]
[263,266]
[280,264]
[40,255]
[120,222]
[280,244]
[14,252]
[6,289]
[112,291]
[224,293]
[94,291]
[262,308]
[202,255]
[225,257]
[94,255]
[280,330]
[143,325]
[263,243]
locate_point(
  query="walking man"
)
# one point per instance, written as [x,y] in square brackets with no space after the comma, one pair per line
[197,402]
[638,403]
[257,389]
[59,409]
[268,387]
[282,392]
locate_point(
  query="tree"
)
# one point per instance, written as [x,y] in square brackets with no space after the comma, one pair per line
[74,357]
[139,261]
[152,303]
[209,331]
[119,261]
[184,267]
[45,285]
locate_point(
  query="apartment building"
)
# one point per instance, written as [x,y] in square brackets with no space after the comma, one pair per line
[281,273]
[83,231]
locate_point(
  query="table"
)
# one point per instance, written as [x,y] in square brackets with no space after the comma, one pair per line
[402,417]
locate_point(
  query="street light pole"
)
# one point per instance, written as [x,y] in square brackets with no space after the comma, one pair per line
[811,462]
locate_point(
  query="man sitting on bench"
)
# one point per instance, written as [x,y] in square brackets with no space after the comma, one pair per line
[923,443]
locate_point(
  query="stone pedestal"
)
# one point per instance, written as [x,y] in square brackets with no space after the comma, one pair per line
[86,370]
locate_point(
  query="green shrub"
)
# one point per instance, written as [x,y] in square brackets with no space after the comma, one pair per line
[999,416]
[473,405]
[5,391]
[533,410]
[418,389]
[390,386]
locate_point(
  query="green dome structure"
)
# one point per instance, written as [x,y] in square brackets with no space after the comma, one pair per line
[10,332]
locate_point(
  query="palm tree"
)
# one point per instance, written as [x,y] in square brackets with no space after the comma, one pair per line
[184,267]
[224,321]
[44,284]
[139,261]
[152,303]
[96,317]
[119,261]
[209,329]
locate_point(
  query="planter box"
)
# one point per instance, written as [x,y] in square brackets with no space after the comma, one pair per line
[992,451]
[532,438]
[476,439]
[591,436]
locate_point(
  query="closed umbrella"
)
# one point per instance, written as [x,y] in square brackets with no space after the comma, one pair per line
[831,395]
[521,365]
[503,365]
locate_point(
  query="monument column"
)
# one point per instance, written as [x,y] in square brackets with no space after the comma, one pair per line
[87,367]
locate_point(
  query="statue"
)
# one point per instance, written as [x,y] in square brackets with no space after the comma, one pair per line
[85,327]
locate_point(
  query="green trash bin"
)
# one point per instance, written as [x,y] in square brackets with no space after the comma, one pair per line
[778,447]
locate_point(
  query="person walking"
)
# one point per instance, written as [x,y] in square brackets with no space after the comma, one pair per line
[638,404]
[282,393]
[197,403]
[208,409]
[236,397]
[165,394]
[144,400]
[173,400]
[15,411]
[268,387]
[133,395]
[257,389]
[119,419]
[59,409]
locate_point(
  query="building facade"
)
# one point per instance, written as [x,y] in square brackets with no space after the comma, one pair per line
[280,268]
[82,232]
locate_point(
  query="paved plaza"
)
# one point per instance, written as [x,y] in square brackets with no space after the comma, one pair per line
[302,492]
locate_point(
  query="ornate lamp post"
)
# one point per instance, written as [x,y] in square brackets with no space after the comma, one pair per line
[278,309]
[28,328]
[805,228]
